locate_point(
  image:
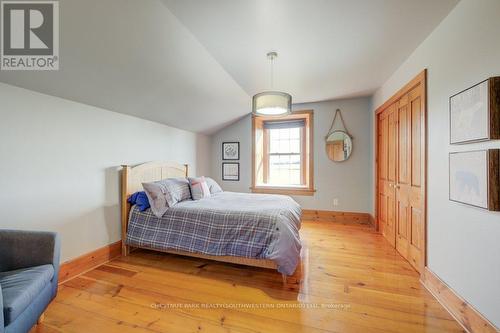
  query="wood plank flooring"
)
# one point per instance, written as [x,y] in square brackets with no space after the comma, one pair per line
[350,280]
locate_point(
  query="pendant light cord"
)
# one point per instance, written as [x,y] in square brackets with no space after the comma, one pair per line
[271,80]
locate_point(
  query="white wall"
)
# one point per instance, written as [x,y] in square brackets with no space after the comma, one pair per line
[462,242]
[349,181]
[60,160]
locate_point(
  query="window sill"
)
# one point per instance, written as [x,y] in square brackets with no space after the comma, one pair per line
[287,190]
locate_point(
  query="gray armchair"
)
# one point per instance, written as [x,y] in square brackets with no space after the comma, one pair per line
[29,268]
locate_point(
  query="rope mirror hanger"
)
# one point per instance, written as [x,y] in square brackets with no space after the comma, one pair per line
[338,142]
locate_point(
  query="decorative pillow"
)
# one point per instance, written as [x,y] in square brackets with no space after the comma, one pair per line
[140,199]
[199,188]
[213,186]
[166,193]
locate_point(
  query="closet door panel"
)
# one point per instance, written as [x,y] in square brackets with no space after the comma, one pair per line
[416,193]
[402,177]
[391,174]
[387,172]
[403,141]
[416,135]
[382,161]
[416,218]
[391,144]
[409,178]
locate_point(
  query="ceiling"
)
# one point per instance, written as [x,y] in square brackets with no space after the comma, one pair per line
[136,58]
[326,48]
[194,64]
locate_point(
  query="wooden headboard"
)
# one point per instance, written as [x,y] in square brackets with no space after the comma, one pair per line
[131,182]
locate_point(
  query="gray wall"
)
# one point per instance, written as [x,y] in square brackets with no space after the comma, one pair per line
[203,155]
[60,163]
[462,242]
[240,131]
[350,181]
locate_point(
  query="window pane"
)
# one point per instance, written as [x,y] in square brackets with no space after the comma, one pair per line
[284,146]
[284,133]
[281,142]
[273,143]
[295,177]
[295,133]
[295,146]
[275,135]
[275,171]
[284,159]
[295,162]
[284,170]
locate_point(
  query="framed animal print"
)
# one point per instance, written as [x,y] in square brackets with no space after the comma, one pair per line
[231,151]
[474,178]
[475,113]
[231,171]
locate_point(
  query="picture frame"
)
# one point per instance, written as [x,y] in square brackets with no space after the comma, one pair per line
[230,151]
[474,113]
[474,178]
[231,171]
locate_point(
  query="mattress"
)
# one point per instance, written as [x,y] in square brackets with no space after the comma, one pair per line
[259,226]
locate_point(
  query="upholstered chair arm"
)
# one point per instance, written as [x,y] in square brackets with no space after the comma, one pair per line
[1,311]
[22,249]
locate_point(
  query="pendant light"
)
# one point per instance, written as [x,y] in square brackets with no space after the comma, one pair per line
[272,103]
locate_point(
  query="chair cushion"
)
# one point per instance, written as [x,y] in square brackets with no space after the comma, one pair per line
[20,287]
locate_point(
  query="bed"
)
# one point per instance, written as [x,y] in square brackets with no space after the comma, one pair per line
[248,229]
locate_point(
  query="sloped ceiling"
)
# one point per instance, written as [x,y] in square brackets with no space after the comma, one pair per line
[136,58]
[194,64]
[326,48]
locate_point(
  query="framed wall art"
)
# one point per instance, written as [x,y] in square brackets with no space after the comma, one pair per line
[231,171]
[475,113]
[231,151]
[474,178]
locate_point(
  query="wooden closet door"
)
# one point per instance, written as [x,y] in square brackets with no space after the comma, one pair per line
[409,194]
[401,172]
[387,173]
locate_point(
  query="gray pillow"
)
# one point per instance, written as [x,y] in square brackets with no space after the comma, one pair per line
[213,186]
[166,193]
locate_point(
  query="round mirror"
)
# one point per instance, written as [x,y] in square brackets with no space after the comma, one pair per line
[338,146]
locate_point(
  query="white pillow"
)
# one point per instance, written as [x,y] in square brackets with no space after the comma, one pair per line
[213,186]
[199,188]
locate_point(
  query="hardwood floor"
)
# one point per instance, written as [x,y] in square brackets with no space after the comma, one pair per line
[350,280]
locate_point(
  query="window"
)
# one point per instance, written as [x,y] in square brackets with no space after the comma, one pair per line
[282,154]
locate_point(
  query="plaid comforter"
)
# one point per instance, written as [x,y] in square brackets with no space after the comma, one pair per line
[232,224]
